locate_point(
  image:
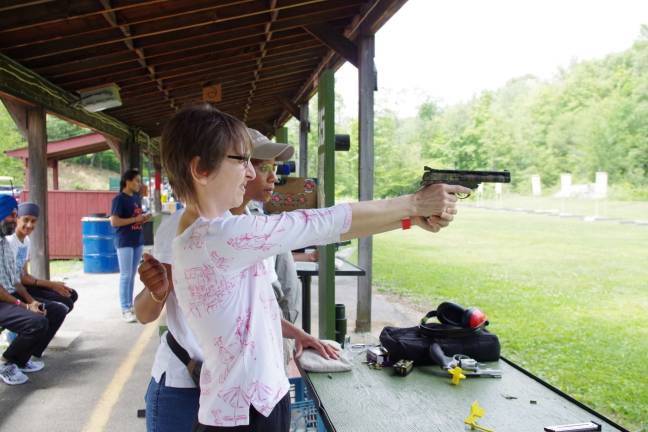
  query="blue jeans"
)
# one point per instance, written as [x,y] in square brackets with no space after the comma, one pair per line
[129,258]
[170,409]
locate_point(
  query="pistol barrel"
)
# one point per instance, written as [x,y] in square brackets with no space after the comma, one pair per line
[467,178]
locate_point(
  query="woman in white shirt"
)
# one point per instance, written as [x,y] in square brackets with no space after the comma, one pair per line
[218,272]
[172,396]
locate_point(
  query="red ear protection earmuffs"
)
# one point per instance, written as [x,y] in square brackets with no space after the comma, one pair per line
[456,315]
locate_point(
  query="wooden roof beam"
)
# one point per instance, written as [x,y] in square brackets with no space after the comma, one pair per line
[234,74]
[217,65]
[111,17]
[261,115]
[141,101]
[181,89]
[23,4]
[237,42]
[25,85]
[335,41]
[74,28]
[268,36]
[370,19]
[142,107]
[233,99]
[57,47]
[91,35]
[171,70]
[77,61]
[261,100]
[200,75]
[62,67]
[153,112]
[277,56]
[156,115]
[295,19]
[62,12]
[242,43]
[289,106]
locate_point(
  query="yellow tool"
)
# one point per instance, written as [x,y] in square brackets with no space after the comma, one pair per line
[457,375]
[476,412]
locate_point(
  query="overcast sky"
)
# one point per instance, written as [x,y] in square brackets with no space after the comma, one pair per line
[450,50]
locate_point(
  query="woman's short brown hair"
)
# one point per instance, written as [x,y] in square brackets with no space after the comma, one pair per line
[203,131]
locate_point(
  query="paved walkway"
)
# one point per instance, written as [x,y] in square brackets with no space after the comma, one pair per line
[96,379]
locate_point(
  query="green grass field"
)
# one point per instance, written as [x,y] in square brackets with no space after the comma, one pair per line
[628,210]
[569,299]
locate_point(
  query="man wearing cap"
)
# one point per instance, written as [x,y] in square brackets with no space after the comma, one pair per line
[40,288]
[34,322]
[265,154]
[172,396]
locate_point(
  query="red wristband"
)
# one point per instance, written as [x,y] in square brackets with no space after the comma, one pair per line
[406,223]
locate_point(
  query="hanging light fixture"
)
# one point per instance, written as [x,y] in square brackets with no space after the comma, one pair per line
[100,98]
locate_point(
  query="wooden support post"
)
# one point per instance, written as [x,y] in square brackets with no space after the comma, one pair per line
[326,198]
[129,154]
[157,192]
[31,122]
[37,141]
[124,157]
[366,84]
[55,175]
[281,135]
[304,128]
[26,171]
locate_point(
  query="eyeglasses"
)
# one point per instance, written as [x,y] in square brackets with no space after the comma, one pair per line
[267,168]
[244,160]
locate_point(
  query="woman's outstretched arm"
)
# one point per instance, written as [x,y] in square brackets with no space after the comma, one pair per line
[432,208]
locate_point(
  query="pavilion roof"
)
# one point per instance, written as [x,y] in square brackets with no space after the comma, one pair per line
[265,54]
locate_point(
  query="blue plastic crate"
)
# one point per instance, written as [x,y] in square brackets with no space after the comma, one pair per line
[304,415]
[298,390]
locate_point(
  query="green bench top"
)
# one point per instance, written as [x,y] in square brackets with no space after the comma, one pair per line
[376,400]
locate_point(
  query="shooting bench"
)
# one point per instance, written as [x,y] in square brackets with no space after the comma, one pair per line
[375,400]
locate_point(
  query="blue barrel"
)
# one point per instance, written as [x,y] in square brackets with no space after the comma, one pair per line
[99,254]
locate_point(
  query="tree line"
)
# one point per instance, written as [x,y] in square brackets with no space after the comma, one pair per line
[592,116]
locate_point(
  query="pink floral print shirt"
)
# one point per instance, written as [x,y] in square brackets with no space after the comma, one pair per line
[221,283]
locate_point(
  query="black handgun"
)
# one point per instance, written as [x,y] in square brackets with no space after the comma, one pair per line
[469,179]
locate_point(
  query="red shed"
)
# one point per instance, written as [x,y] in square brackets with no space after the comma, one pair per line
[66,208]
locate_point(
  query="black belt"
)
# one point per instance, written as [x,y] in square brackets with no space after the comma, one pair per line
[177,349]
[193,366]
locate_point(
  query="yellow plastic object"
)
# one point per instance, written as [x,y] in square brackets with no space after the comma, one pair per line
[457,375]
[476,412]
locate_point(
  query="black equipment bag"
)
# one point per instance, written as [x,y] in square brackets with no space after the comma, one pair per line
[414,343]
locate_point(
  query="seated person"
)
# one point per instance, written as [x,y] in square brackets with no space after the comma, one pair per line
[46,289]
[34,320]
